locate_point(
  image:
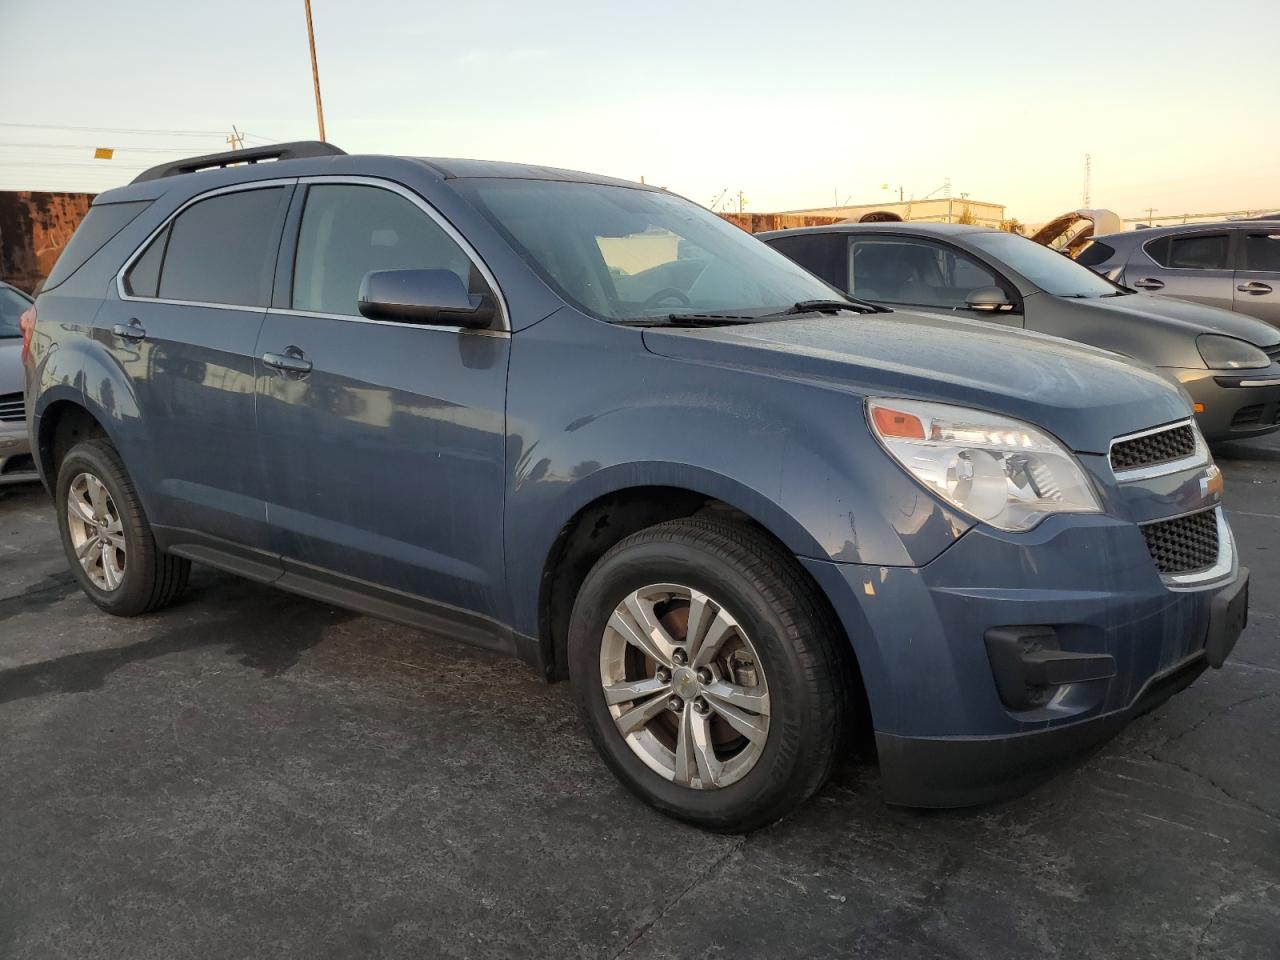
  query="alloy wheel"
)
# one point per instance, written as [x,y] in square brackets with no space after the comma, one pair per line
[685,686]
[97,531]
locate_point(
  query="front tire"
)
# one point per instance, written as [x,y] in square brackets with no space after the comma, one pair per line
[710,673]
[106,536]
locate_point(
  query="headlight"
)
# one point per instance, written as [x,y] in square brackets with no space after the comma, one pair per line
[997,470]
[1228,353]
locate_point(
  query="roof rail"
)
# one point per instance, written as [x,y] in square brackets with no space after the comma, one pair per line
[213,161]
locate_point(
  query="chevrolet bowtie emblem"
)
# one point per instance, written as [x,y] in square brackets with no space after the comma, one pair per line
[1211,483]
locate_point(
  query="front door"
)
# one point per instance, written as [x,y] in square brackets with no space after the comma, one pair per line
[185,331]
[926,276]
[385,444]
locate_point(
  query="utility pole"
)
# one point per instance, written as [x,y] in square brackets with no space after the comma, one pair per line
[1151,216]
[741,203]
[315,69]
[236,139]
[1088,175]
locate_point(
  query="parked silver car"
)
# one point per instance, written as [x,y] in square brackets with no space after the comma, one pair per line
[16,464]
[1234,264]
[1228,363]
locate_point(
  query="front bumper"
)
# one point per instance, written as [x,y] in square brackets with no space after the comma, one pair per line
[1235,405]
[945,735]
[16,463]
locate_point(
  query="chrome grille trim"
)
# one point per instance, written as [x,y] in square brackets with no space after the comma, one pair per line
[1198,458]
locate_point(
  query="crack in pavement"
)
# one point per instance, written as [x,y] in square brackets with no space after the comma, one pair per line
[704,875]
[1214,714]
[1229,900]
[1242,801]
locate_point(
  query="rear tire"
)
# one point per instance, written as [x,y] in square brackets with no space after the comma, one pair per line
[107,539]
[786,673]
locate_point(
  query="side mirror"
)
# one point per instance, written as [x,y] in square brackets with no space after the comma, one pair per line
[429,297]
[988,300]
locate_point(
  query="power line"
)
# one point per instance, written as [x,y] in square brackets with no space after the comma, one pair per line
[132,130]
[87,146]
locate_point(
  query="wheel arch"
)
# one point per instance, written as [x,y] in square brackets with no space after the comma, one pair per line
[62,423]
[608,516]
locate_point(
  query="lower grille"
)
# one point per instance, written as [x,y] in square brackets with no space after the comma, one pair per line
[11,410]
[1184,544]
[1248,415]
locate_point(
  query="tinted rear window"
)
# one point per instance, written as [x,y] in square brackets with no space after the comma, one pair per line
[1262,251]
[823,254]
[100,224]
[1094,254]
[1197,251]
[223,250]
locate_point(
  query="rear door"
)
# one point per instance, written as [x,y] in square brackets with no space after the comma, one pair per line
[183,327]
[385,454]
[1257,287]
[1196,265]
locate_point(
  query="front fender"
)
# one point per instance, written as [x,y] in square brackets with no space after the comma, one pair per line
[795,456]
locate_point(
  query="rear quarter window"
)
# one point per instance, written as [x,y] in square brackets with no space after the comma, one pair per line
[1095,253]
[101,223]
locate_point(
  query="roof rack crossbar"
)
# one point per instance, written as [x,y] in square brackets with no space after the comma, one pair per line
[212,161]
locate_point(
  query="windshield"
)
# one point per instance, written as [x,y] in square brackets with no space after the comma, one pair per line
[626,254]
[1052,272]
[12,306]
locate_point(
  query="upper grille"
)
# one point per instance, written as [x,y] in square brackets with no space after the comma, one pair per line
[1162,446]
[1273,353]
[1185,543]
[11,410]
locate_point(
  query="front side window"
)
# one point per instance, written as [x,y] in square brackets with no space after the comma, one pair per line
[219,250]
[349,230]
[1053,272]
[915,273]
[1262,252]
[624,253]
[1197,251]
[12,306]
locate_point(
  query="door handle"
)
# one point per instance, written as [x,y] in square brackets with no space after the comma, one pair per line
[293,360]
[1254,287]
[133,331]
[1148,283]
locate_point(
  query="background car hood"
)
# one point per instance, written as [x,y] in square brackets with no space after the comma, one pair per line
[1192,317]
[11,375]
[1082,395]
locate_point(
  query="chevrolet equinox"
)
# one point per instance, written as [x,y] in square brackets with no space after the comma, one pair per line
[589,423]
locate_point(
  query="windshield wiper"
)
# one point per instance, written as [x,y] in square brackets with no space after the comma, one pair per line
[830,306]
[691,320]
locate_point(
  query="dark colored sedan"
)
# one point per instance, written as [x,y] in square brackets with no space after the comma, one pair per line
[1228,363]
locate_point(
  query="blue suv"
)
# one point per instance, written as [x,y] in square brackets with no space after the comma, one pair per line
[588,423]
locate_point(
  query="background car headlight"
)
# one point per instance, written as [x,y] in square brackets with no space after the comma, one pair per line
[1228,353]
[998,470]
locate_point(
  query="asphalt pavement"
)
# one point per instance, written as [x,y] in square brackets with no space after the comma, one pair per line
[251,774]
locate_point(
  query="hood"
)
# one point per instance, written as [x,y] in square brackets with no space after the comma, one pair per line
[1082,395]
[12,379]
[1194,318]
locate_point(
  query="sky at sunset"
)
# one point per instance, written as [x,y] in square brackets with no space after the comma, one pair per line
[793,104]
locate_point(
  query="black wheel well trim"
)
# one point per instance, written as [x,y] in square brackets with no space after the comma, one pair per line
[63,424]
[605,521]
